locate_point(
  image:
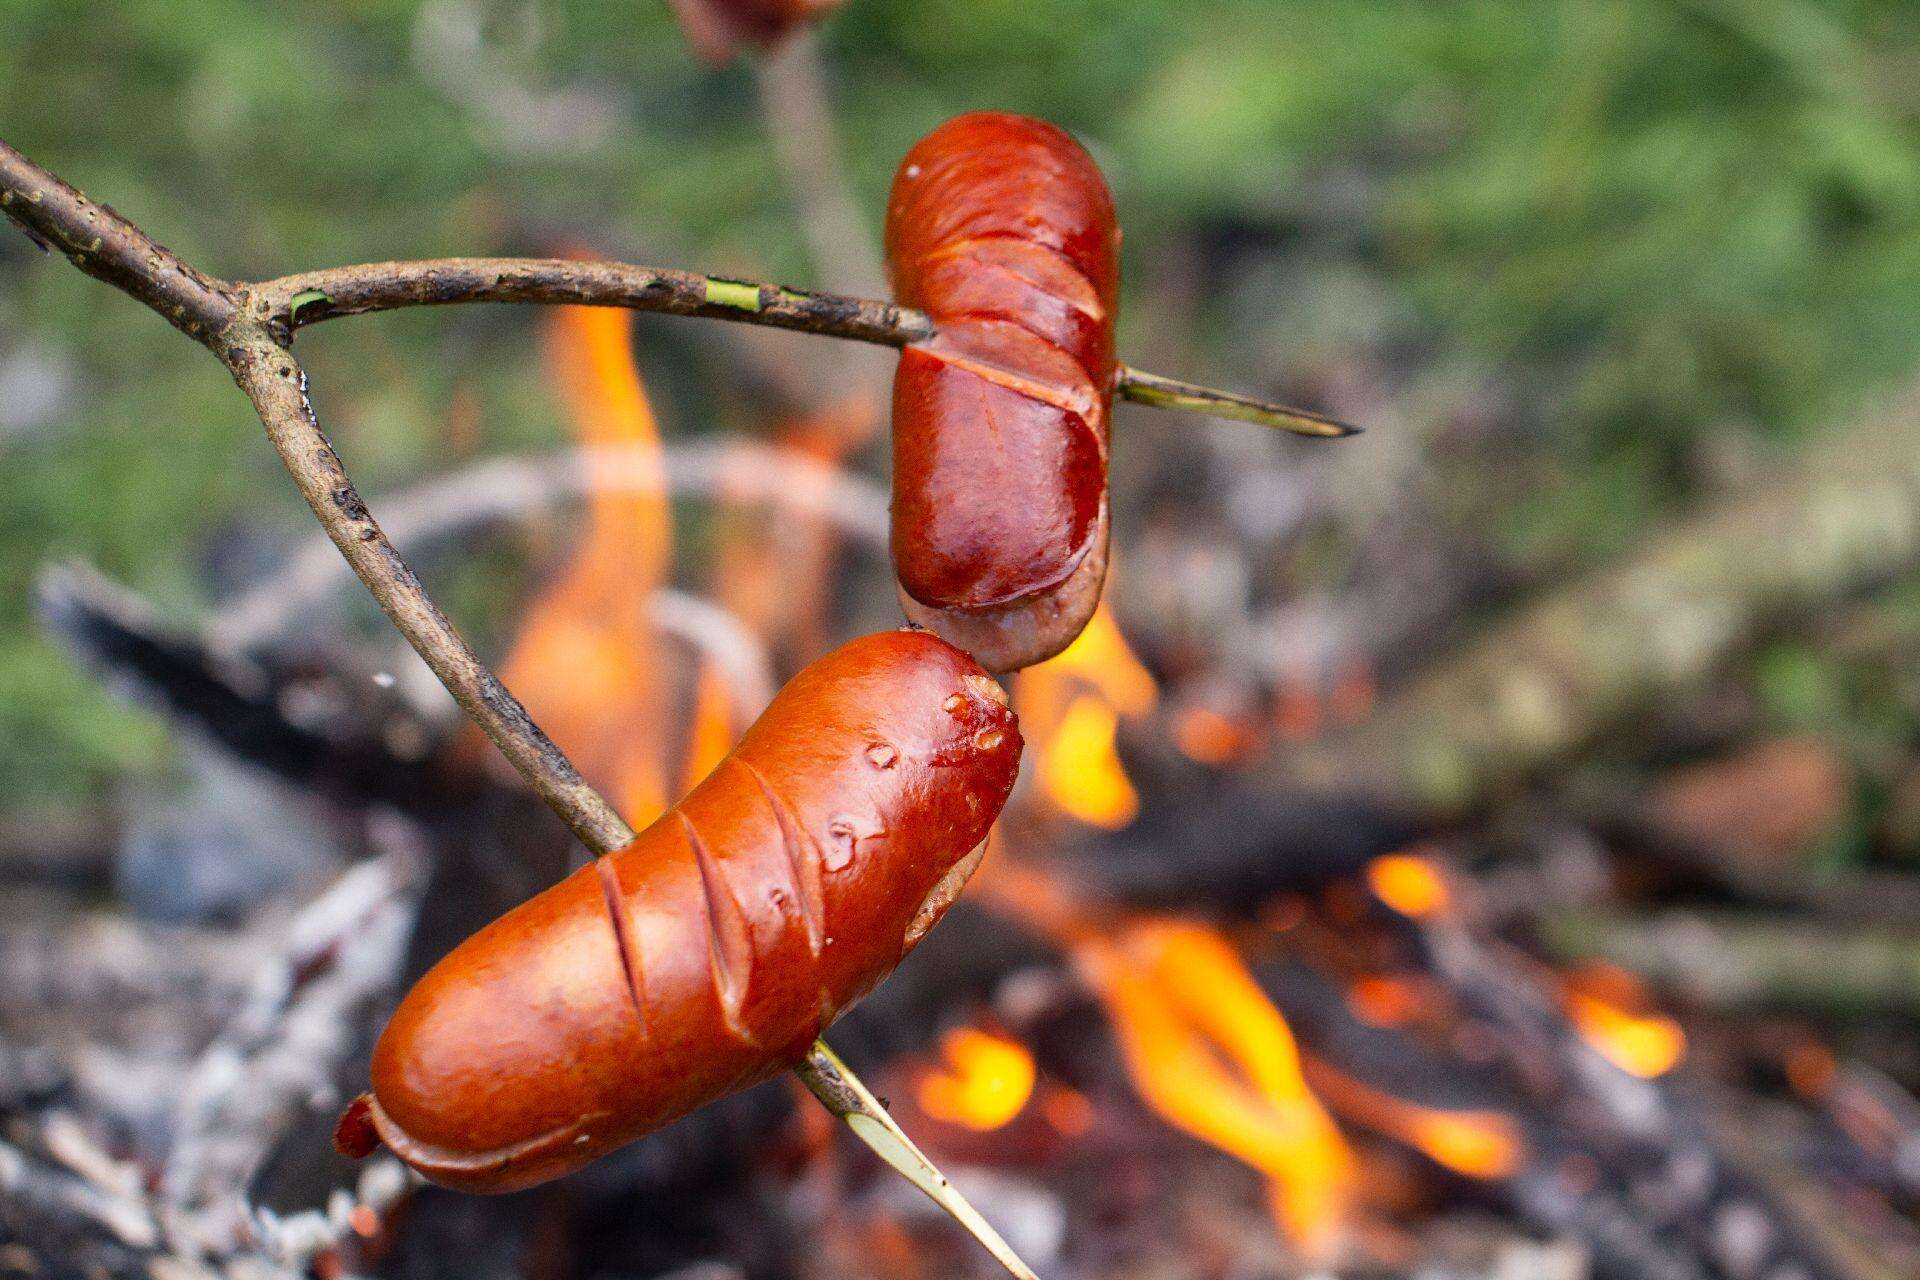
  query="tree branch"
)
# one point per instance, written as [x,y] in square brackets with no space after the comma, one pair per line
[313,296]
[277,386]
[294,302]
[107,247]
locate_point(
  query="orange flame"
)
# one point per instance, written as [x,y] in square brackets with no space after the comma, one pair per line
[1475,1144]
[775,572]
[1411,884]
[1208,1051]
[1600,1001]
[585,662]
[985,1083]
[1080,770]
[1070,709]
[712,735]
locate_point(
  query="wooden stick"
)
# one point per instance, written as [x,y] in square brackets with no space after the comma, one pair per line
[250,327]
[1157,392]
[293,302]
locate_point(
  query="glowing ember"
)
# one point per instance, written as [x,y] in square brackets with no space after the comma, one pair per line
[1209,1052]
[1410,884]
[1070,709]
[1211,737]
[1351,697]
[1641,1045]
[1384,1001]
[1068,1110]
[1296,713]
[985,1083]
[1810,1068]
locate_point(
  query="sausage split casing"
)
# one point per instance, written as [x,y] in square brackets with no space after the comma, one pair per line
[709,953]
[717,28]
[1002,230]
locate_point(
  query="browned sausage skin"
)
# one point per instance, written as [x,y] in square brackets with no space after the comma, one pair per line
[709,953]
[1001,228]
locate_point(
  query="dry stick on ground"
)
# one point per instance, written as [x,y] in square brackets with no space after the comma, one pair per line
[1532,690]
[249,327]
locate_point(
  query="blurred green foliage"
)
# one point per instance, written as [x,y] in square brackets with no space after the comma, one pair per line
[1641,217]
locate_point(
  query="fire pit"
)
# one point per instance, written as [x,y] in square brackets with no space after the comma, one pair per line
[1191,1020]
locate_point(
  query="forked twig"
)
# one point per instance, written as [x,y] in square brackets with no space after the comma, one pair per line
[250,328]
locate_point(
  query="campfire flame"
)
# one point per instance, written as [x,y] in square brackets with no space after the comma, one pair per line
[984,1083]
[712,734]
[1411,884]
[1203,1046]
[1208,1051]
[1070,711]
[1608,1007]
[1474,1144]
[1080,770]
[586,660]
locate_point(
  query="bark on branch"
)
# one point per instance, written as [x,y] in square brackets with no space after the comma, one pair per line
[107,247]
[277,386]
[312,296]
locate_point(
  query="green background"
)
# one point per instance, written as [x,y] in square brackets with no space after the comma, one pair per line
[1648,224]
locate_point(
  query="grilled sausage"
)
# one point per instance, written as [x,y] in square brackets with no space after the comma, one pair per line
[717,28]
[1001,228]
[708,954]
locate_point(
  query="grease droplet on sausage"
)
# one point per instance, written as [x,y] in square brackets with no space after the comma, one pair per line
[988,739]
[954,703]
[882,756]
